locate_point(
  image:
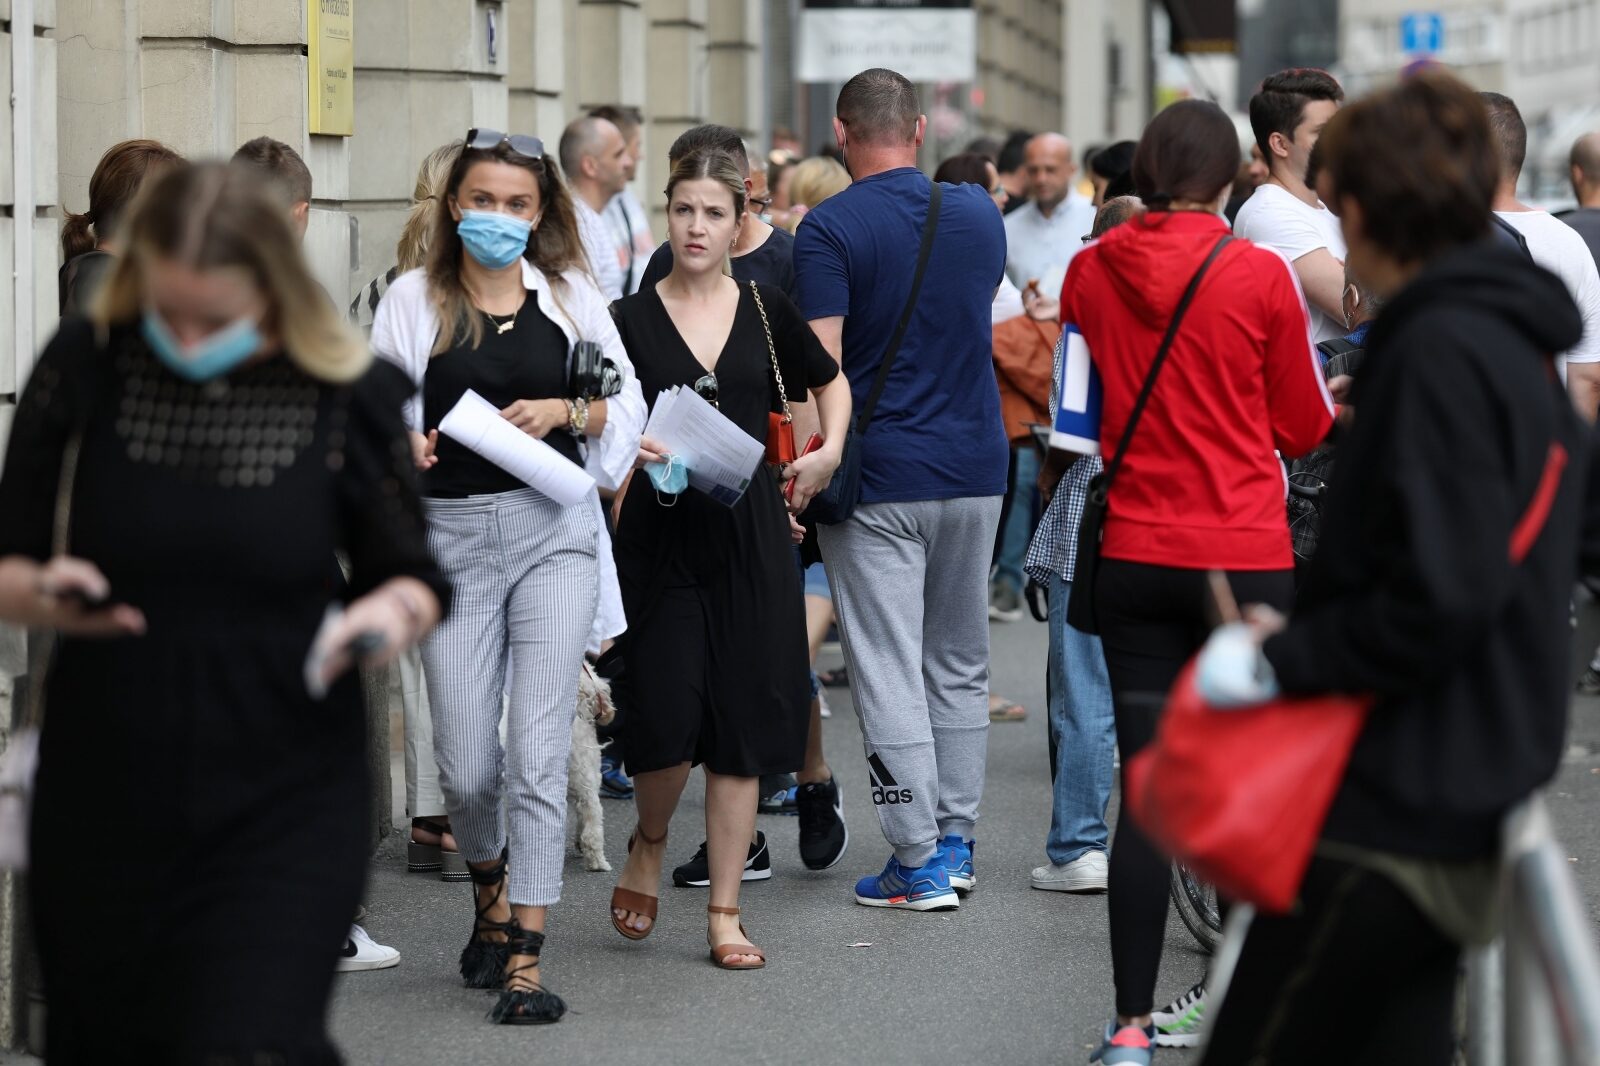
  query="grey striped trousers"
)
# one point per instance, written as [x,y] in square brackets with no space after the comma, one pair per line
[525,577]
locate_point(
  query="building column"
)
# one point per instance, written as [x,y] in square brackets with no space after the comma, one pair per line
[29,210]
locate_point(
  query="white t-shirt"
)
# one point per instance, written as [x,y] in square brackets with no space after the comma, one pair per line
[602,251]
[1040,248]
[1560,249]
[629,223]
[1007,301]
[1277,219]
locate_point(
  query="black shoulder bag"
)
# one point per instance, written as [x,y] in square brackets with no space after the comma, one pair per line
[838,501]
[1080,605]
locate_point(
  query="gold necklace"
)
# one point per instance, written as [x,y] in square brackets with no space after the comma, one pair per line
[502,328]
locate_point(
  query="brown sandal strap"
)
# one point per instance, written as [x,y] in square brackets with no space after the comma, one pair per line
[722,951]
[723,910]
[625,899]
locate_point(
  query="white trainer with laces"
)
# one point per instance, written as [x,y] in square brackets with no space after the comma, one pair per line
[1184,1021]
[1086,873]
[361,952]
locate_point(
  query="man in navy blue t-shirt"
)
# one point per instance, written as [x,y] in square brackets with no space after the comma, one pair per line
[910,569]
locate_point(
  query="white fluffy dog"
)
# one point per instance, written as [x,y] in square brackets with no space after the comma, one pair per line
[583,768]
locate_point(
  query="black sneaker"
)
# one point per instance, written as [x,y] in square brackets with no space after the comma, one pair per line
[777,794]
[823,836]
[696,873]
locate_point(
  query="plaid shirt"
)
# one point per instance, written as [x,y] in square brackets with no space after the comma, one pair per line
[1055,543]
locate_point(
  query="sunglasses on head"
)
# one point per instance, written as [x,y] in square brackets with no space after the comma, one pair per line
[521,143]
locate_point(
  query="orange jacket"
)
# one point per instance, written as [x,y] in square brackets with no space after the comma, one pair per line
[1024,356]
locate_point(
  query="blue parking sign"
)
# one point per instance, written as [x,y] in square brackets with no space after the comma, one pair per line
[1422,34]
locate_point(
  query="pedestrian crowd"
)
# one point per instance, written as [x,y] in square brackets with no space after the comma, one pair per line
[244,510]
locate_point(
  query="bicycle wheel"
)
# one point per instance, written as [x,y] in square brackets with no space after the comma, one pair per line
[1197,906]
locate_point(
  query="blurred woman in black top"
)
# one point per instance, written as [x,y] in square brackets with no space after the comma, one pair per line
[219,438]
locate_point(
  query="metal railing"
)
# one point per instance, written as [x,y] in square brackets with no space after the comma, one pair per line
[1532,997]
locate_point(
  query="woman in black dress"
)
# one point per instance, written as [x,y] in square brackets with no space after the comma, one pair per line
[219,439]
[716,645]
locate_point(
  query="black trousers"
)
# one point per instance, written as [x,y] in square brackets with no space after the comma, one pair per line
[1356,949]
[1152,621]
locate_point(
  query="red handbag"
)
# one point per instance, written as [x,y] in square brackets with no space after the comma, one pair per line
[1240,796]
[780,427]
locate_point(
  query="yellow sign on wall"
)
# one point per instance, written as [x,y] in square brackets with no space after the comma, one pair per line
[331,62]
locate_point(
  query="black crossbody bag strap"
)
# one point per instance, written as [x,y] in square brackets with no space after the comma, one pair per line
[929,227]
[1160,360]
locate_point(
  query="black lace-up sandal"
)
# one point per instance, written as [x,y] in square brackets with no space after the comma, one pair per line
[524,1001]
[483,961]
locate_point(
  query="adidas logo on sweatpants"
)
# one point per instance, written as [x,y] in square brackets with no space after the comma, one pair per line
[884,788]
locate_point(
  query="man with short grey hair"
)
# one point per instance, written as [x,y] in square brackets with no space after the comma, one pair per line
[595,157]
[1585,161]
[910,567]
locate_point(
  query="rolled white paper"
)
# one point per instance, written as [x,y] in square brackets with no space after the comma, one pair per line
[477,424]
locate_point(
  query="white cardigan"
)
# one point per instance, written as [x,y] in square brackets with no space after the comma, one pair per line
[403,333]
[406,326]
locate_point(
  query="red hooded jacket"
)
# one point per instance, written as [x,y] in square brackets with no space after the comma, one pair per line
[1200,487]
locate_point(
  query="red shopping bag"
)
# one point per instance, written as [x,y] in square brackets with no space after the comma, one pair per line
[1240,796]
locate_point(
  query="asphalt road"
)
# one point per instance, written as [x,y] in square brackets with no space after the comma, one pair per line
[1015,976]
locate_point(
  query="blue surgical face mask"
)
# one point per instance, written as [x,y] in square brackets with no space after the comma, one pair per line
[493,239]
[211,357]
[671,477]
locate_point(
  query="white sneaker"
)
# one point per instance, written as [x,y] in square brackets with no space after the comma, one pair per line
[822,701]
[361,952]
[1183,1022]
[1086,873]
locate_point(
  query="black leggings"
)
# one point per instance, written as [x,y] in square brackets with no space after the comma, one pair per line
[1354,948]
[1152,621]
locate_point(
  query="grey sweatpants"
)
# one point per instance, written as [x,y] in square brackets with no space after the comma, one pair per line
[525,576]
[911,592]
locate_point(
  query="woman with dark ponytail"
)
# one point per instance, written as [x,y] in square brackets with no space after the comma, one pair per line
[86,248]
[1199,486]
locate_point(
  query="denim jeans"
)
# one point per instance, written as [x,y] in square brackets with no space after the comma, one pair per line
[1083,735]
[1021,518]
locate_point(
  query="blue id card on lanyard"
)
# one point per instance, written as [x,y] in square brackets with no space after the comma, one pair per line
[1077,424]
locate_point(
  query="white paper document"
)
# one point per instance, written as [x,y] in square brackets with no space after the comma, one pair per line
[722,458]
[477,424]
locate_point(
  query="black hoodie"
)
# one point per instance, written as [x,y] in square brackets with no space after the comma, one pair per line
[1412,595]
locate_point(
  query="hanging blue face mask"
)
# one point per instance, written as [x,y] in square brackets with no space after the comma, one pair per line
[493,239]
[210,358]
[670,477]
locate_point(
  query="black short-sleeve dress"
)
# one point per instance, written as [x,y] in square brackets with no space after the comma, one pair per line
[234,804]
[716,644]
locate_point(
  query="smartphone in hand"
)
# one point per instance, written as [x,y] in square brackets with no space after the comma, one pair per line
[812,444]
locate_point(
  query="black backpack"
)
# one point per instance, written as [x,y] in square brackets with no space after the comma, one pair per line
[1309,475]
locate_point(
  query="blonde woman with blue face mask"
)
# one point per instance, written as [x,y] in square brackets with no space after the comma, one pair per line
[497,309]
[180,474]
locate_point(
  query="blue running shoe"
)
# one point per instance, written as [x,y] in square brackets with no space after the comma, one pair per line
[924,889]
[957,857]
[614,784]
[1127,1046]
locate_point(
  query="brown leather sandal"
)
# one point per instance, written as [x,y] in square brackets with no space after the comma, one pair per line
[722,952]
[625,899]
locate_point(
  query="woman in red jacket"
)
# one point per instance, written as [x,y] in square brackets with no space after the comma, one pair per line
[1201,487]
